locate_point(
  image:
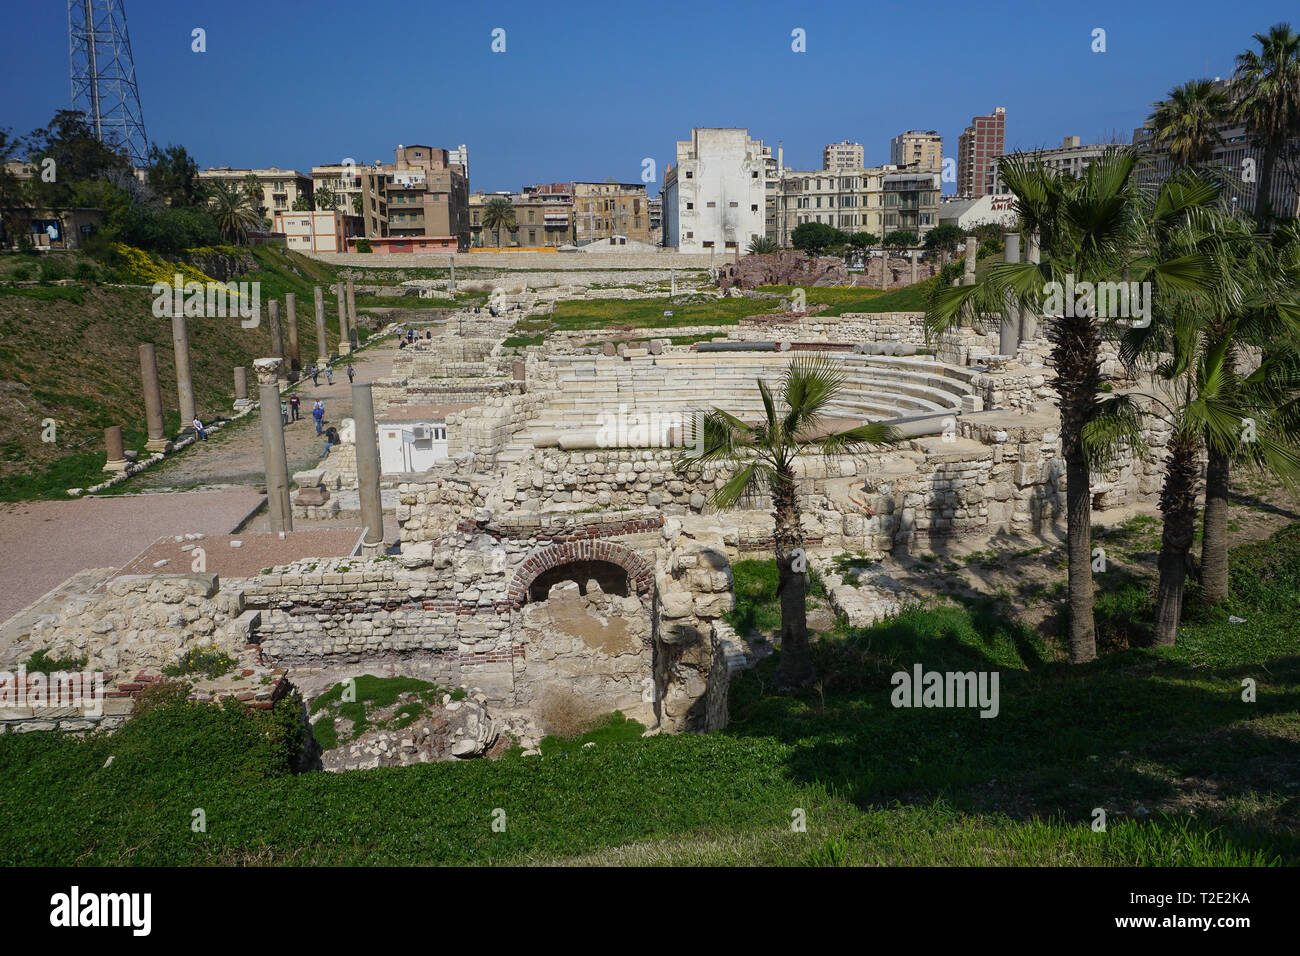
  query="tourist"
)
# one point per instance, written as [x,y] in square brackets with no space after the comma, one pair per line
[294,402]
[329,374]
[284,412]
[351,373]
[318,413]
[199,429]
[331,440]
[315,375]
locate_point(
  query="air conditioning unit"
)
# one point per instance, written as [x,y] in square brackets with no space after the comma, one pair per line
[420,432]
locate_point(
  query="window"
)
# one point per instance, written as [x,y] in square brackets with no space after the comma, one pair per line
[689,174]
[708,244]
[731,245]
[733,205]
[690,205]
[690,235]
[753,207]
[711,205]
[753,175]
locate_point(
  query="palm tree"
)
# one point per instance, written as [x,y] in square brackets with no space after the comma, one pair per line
[1267,317]
[1088,230]
[1269,84]
[763,456]
[1187,122]
[498,213]
[761,245]
[234,210]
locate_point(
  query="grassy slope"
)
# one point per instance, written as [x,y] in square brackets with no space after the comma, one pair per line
[1140,729]
[78,363]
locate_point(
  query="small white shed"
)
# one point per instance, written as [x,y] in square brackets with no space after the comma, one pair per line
[412,438]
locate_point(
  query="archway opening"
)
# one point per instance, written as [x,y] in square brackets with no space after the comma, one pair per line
[612,578]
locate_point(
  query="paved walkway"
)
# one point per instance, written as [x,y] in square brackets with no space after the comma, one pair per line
[46,542]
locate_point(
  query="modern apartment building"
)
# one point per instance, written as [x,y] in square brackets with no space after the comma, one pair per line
[342,180]
[1071,157]
[422,195]
[876,200]
[281,188]
[325,230]
[917,149]
[843,155]
[602,210]
[715,198]
[983,140]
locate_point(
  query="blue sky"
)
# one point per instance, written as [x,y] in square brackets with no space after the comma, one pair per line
[586,90]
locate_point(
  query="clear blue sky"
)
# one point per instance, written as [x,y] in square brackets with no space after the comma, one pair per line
[585,90]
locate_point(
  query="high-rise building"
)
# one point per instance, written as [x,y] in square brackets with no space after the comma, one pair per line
[460,157]
[843,155]
[420,202]
[714,199]
[982,142]
[1071,158]
[917,149]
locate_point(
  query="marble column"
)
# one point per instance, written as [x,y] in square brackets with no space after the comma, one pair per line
[113,444]
[367,445]
[352,316]
[322,345]
[184,382]
[968,270]
[295,351]
[1028,320]
[345,337]
[241,386]
[914,254]
[153,413]
[277,463]
[1009,332]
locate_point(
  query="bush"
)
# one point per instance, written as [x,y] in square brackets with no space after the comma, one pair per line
[210,661]
[52,270]
[363,245]
[85,272]
[22,274]
[42,663]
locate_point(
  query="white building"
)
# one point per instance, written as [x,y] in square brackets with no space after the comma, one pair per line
[969,213]
[715,198]
[412,438]
[320,231]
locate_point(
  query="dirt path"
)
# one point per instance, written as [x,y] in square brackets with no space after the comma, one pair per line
[233,456]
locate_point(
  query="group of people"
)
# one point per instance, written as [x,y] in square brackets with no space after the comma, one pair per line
[315,371]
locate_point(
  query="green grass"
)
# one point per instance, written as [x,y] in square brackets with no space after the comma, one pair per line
[1147,734]
[371,694]
[68,293]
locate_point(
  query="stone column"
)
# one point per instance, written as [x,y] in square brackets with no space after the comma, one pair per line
[1028,320]
[241,386]
[184,383]
[913,267]
[672,282]
[277,462]
[113,443]
[968,271]
[367,444]
[322,346]
[295,352]
[153,414]
[277,339]
[352,316]
[345,337]
[1009,333]
[451,286]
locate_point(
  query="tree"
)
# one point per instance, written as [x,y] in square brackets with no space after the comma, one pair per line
[863,240]
[78,156]
[302,203]
[901,239]
[763,457]
[815,237]
[498,214]
[761,245]
[1187,122]
[1088,229]
[234,210]
[326,198]
[174,176]
[944,240]
[1269,84]
[14,213]
[252,187]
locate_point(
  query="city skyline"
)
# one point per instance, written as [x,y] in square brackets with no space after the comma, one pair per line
[219,105]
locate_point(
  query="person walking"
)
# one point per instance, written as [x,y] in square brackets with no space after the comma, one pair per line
[294,402]
[315,374]
[352,373]
[284,412]
[199,429]
[318,413]
[329,374]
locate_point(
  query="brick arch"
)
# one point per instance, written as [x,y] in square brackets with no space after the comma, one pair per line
[640,574]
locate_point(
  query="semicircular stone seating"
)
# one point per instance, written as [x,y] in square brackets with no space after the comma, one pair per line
[593,389]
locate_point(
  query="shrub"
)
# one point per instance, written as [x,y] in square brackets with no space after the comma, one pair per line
[42,663]
[210,661]
[22,274]
[52,270]
[85,272]
[363,245]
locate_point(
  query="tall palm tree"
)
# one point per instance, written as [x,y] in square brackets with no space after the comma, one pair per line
[1187,122]
[498,213]
[1269,87]
[234,210]
[1267,317]
[763,456]
[1089,230]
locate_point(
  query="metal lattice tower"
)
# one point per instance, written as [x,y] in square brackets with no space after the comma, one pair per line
[103,76]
